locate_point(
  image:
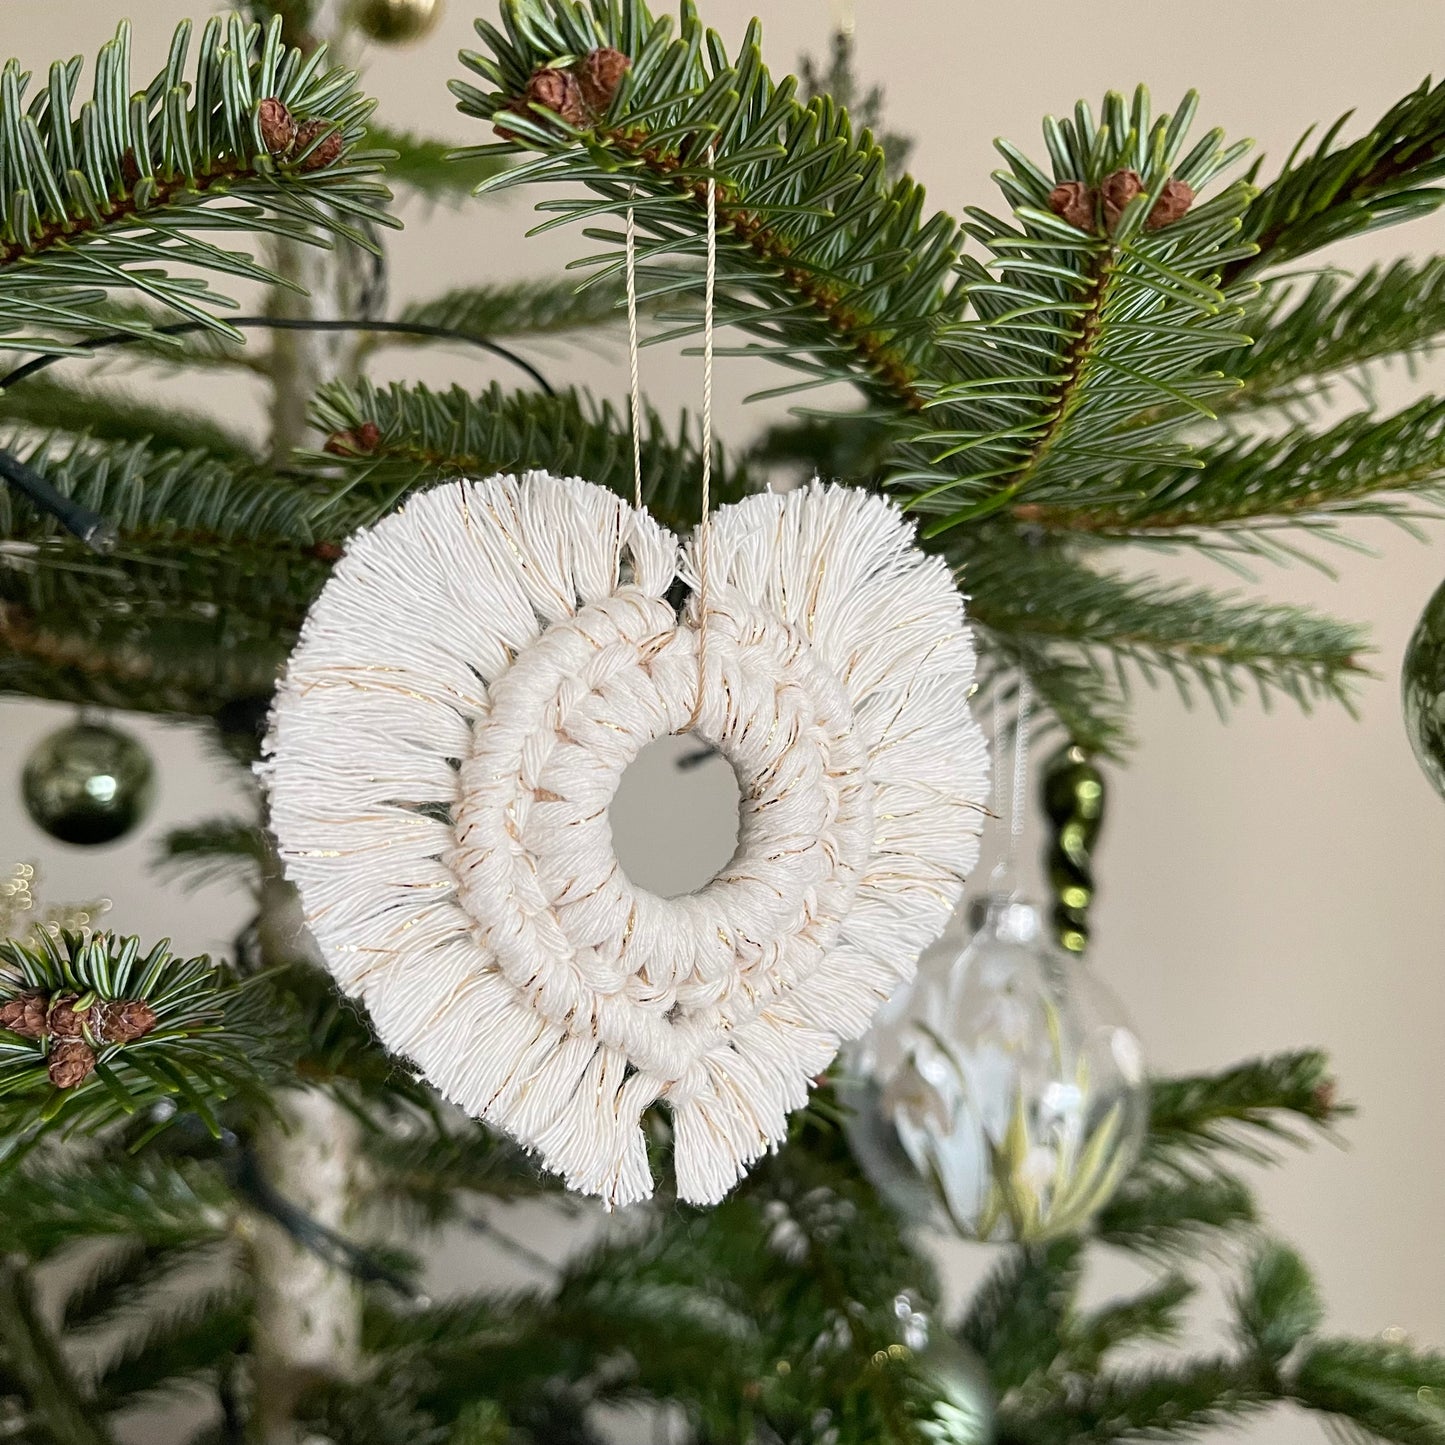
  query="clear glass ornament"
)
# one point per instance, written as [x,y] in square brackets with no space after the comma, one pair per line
[1005,1094]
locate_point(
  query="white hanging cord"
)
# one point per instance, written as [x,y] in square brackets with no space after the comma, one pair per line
[709,291]
[635,393]
[996,779]
[704,527]
[708,334]
[1021,771]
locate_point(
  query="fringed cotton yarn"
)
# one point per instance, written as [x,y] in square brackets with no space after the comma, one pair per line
[468,689]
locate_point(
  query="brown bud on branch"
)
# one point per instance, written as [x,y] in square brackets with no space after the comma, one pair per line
[72,1062]
[125,1020]
[1074,201]
[25,1014]
[1117,191]
[559,92]
[277,126]
[1174,199]
[64,1022]
[599,76]
[360,441]
[328,151]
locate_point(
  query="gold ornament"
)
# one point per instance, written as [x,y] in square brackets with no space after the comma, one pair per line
[395,22]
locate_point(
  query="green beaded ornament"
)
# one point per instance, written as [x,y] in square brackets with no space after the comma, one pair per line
[1073,797]
[1423,687]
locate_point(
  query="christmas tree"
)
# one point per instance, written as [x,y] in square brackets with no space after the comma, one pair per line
[214,1178]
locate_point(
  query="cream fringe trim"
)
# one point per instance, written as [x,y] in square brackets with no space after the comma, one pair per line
[467,692]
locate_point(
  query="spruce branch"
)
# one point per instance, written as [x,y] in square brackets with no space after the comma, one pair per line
[1243,1109]
[220,850]
[214,566]
[1081,321]
[1015,1320]
[191,1340]
[415,435]
[128,1279]
[451,1324]
[430,168]
[1387,176]
[1164,1213]
[522,308]
[1192,637]
[1277,1306]
[53,1202]
[1306,334]
[1141,1403]
[155,496]
[110,415]
[115,193]
[335,325]
[1390,1391]
[1070,687]
[827,264]
[103,661]
[381,1412]
[55,1399]
[1153,1315]
[143,1028]
[1179,1193]
[1240,492]
[431,1173]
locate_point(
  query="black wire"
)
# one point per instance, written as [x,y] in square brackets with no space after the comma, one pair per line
[484,1226]
[249,1181]
[283,323]
[93,529]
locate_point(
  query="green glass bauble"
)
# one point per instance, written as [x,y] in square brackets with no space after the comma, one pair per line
[88,784]
[950,1377]
[1423,685]
[394,22]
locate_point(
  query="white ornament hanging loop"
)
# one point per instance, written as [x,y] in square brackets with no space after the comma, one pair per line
[468,691]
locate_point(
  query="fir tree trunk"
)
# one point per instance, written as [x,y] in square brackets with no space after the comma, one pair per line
[308,1312]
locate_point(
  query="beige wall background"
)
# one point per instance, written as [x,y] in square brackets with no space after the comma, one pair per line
[1276,882]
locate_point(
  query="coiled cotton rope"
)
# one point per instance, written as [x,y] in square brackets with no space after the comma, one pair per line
[468,689]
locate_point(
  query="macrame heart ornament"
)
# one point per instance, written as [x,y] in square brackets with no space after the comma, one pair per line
[468,689]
